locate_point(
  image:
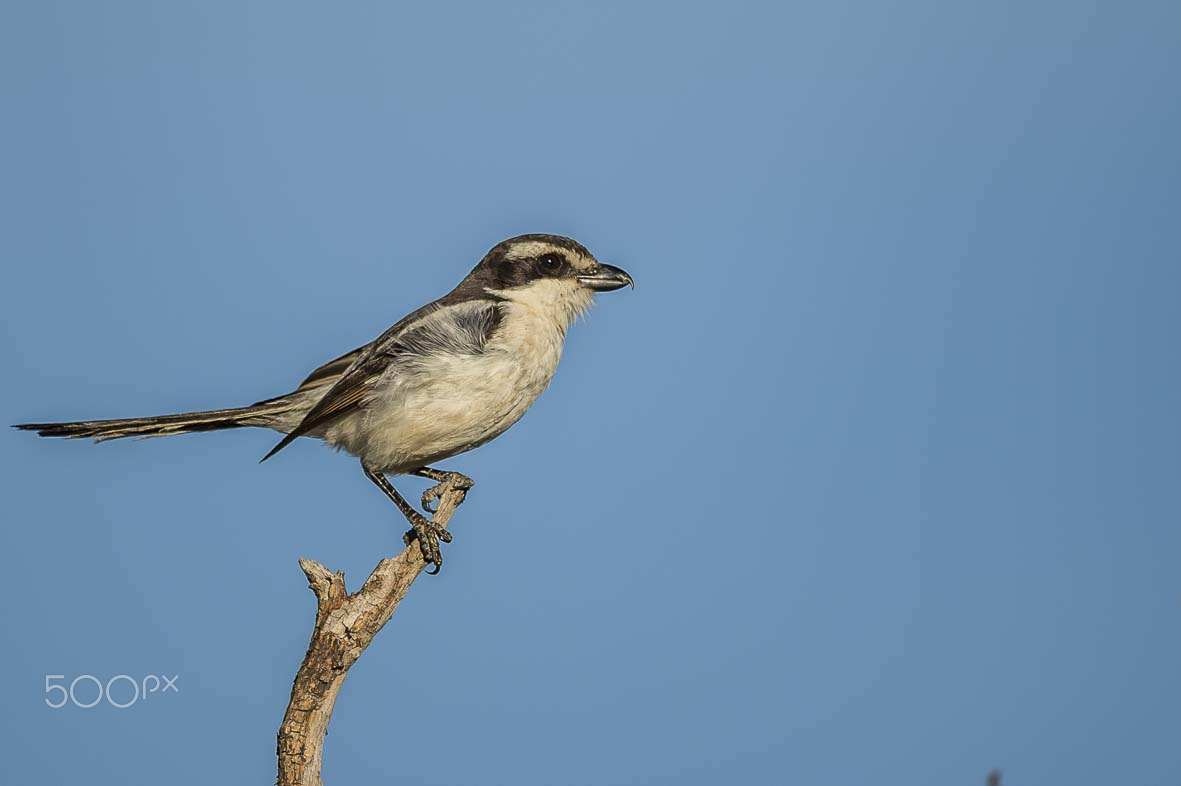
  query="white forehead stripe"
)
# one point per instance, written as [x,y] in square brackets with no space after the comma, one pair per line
[529,248]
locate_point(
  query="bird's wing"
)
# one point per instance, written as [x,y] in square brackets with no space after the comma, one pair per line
[330,371]
[462,328]
[322,377]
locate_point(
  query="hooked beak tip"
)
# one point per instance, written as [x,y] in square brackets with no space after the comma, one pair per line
[607,278]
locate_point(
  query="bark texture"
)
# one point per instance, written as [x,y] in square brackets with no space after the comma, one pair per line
[345,625]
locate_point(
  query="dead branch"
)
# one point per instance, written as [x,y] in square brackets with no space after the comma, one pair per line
[345,625]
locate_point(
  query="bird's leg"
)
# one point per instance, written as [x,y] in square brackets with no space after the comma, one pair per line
[425,531]
[457,481]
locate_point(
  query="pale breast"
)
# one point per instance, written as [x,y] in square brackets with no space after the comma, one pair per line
[429,408]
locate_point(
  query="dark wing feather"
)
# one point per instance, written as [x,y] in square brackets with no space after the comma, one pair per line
[348,390]
[327,373]
[323,376]
[462,327]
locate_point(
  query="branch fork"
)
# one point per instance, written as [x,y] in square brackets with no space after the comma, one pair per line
[345,626]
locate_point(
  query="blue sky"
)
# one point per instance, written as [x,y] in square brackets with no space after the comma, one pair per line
[889,426]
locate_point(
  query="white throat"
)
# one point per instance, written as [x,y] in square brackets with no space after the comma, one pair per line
[557,302]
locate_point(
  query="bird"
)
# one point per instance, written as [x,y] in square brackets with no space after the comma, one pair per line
[445,379]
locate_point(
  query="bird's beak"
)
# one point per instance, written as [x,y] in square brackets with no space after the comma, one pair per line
[607,278]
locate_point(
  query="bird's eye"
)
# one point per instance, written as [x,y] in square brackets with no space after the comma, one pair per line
[551,263]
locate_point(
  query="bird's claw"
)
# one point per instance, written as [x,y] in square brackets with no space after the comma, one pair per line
[455,481]
[428,534]
[432,495]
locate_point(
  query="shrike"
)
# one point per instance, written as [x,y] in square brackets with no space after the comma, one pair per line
[447,378]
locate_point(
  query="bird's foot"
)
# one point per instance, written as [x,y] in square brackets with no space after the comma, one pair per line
[428,534]
[449,480]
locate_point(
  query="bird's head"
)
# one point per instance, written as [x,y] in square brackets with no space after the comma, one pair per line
[547,273]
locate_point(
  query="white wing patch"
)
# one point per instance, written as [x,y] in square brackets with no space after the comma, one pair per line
[462,329]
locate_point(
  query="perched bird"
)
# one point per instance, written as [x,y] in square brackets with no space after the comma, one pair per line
[445,379]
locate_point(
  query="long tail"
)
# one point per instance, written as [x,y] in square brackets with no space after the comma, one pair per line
[262,414]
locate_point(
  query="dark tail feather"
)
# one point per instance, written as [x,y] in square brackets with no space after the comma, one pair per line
[160,425]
